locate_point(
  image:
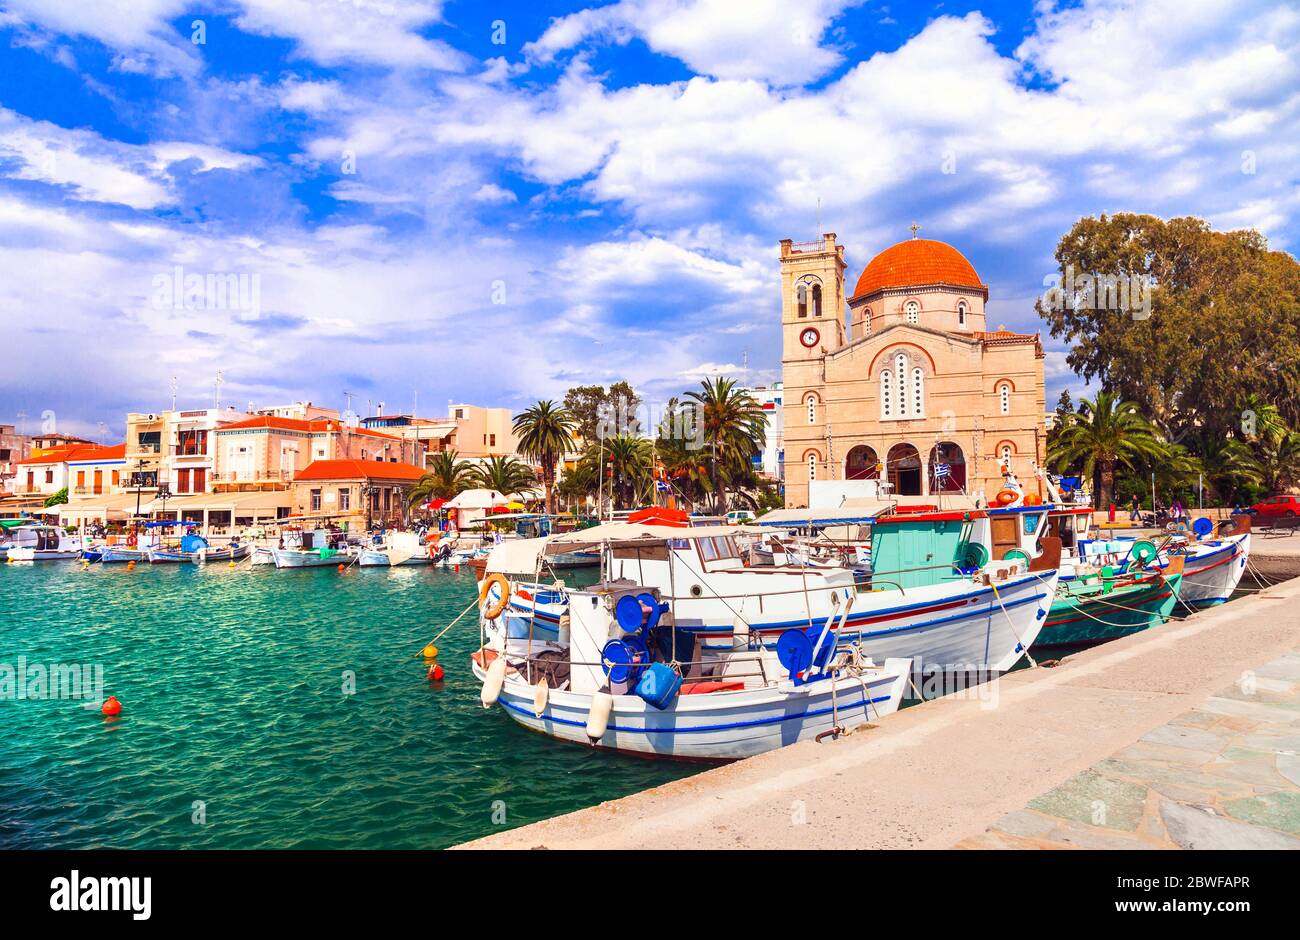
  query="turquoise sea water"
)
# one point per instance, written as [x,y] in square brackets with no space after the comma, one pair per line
[232,686]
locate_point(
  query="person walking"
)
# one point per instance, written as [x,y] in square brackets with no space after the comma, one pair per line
[1135,510]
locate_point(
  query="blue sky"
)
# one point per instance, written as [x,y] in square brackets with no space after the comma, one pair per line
[490,202]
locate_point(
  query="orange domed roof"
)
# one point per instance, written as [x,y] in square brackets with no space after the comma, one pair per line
[915,262]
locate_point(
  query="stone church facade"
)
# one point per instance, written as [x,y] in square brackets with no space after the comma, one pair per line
[910,387]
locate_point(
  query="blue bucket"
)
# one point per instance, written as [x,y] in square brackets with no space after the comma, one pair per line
[659,686]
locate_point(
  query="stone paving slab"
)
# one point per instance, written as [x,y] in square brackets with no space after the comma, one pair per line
[1223,775]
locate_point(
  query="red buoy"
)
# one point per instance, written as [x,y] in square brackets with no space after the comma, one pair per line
[340,567]
[435,673]
[111,707]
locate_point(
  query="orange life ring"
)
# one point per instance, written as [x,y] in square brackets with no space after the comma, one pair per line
[131,541]
[493,611]
[1006,497]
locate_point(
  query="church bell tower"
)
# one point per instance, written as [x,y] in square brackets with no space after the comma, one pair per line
[812,325]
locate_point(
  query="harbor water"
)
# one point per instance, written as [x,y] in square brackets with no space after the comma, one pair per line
[266,709]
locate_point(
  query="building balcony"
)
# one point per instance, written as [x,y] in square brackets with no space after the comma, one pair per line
[143,450]
[252,476]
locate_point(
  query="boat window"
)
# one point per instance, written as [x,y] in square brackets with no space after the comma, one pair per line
[679,544]
[708,550]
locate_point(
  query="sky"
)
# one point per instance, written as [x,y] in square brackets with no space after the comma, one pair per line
[417,201]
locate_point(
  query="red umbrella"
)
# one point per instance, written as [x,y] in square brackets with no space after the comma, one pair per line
[436,503]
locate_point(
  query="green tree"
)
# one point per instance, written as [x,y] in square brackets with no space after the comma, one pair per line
[545,433]
[505,475]
[1105,434]
[595,407]
[56,499]
[1224,319]
[446,476]
[734,428]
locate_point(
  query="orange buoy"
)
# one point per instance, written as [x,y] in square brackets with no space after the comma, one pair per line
[340,567]
[130,566]
[111,707]
[435,673]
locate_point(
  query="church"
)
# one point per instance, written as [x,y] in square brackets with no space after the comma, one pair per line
[911,387]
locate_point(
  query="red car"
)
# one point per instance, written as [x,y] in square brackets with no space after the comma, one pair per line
[1277,506]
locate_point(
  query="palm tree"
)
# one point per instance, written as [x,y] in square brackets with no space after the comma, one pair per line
[505,475]
[1102,435]
[1229,466]
[1278,458]
[734,429]
[627,462]
[446,476]
[545,433]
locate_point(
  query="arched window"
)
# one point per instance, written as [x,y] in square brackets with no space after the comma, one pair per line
[801,299]
[913,311]
[812,467]
[961,313]
[817,300]
[1005,456]
[811,402]
[900,380]
[886,394]
[1004,398]
[918,393]
[866,321]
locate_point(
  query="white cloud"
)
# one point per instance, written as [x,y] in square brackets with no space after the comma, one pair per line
[770,40]
[93,168]
[492,193]
[382,32]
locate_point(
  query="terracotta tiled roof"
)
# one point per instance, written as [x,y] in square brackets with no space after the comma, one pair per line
[314,426]
[914,263]
[355,469]
[268,421]
[75,453]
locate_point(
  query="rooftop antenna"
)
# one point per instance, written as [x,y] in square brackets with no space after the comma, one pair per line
[174,386]
[348,395]
[22,422]
[221,377]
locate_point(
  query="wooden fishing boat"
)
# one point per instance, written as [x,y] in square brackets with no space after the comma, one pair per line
[1092,608]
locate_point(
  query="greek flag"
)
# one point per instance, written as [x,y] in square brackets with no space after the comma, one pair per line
[941,470]
[661,486]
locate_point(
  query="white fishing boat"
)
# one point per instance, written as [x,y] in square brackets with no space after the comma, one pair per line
[603,684]
[262,556]
[949,615]
[197,550]
[397,549]
[41,543]
[318,548]
[1212,565]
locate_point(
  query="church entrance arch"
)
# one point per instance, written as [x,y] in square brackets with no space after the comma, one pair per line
[947,455]
[861,464]
[904,467]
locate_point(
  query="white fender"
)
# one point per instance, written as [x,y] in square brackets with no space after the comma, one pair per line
[541,695]
[565,622]
[602,703]
[496,677]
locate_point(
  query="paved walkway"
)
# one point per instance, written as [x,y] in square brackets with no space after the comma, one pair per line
[1225,774]
[1184,735]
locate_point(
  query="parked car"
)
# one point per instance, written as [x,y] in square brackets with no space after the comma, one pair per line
[1277,507]
[740,517]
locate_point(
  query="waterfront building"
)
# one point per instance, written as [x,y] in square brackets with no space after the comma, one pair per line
[14,447]
[768,462]
[302,410]
[74,467]
[363,493]
[267,452]
[53,440]
[474,432]
[913,388]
